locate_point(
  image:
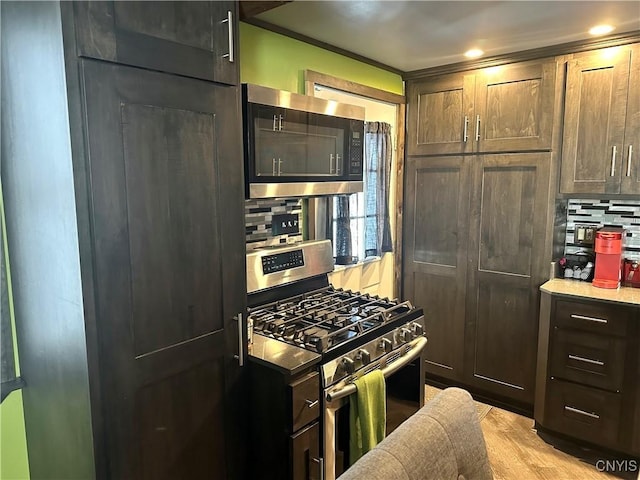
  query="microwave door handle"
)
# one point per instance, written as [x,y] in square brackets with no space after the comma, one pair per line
[330,163]
[279,167]
[273,168]
[338,169]
[280,117]
[275,119]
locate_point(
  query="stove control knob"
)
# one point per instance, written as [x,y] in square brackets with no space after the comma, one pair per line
[418,330]
[347,365]
[364,356]
[406,335]
[385,345]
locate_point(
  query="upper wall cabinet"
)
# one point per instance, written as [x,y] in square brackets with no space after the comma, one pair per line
[439,110]
[602,122]
[194,39]
[498,109]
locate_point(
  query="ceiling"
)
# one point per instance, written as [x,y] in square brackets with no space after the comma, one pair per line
[413,35]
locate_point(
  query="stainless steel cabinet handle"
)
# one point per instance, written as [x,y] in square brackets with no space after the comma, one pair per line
[311,403]
[590,319]
[280,117]
[629,160]
[331,163]
[477,127]
[586,360]
[273,169]
[229,21]
[338,164]
[581,412]
[279,167]
[240,356]
[465,134]
[320,462]
[613,160]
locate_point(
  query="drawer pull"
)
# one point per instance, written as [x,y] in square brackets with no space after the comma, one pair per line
[582,412]
[311,403]
[586,360]
[590,319]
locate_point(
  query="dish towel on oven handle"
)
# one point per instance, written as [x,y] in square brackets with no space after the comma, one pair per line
[367,414]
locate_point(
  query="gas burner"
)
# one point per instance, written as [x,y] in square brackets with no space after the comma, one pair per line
[324,319]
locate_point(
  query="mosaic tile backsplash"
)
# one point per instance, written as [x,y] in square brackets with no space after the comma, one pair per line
[606,213]
[258,216]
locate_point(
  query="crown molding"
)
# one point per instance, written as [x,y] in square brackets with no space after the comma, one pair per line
[525,55]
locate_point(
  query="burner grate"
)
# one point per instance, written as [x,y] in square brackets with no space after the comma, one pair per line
[323,319]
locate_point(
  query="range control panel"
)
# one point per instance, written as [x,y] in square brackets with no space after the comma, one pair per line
[282,261]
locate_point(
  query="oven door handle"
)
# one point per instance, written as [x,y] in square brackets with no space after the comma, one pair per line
[416,348]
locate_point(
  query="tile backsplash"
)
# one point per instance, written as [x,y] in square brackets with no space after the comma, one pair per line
[258,216]
[610,213]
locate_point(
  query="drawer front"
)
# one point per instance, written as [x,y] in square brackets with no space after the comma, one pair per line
[595,360]
[305,400]
[582,412]
[305,454]
[594,317]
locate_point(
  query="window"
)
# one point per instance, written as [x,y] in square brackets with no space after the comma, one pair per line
[380,107]
[361,226]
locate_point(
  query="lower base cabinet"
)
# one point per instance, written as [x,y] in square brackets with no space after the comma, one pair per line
[284,443]
[589,371]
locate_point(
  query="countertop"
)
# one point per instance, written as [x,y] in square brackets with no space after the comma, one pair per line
[281,356]
[573,288]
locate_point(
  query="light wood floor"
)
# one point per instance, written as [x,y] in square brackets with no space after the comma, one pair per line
[516,452]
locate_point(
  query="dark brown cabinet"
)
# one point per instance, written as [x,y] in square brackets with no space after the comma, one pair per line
[602,123]
[285,429]
[588,370]
[499,109]
[506,266]
[129,341]
[474,258]
[195,39]
[158,152]
[439,111]
[437,194]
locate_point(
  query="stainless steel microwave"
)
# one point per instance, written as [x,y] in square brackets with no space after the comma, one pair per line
[299,146]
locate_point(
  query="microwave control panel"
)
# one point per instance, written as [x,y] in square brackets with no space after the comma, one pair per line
[355,151]
[282,261]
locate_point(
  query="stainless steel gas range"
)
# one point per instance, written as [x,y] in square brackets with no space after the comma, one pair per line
[310,342]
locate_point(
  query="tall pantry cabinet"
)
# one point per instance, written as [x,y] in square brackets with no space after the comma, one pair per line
[477,188]
[122,173]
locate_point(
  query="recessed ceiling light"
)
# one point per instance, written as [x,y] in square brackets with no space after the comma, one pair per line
[473,53]
[601,29]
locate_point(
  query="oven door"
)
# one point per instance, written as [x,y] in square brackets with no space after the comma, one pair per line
[404,382]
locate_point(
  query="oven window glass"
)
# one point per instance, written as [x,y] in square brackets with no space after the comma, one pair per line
[405,395]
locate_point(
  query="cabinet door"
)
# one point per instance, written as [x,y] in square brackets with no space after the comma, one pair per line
[305,454]
[195,39]
[167,223]
[439,115]
[631,148]
[514,107]
[435,255]
[594,121]
[506,267]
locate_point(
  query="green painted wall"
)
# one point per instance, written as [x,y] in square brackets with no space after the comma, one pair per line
[276,61]
[13,441]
